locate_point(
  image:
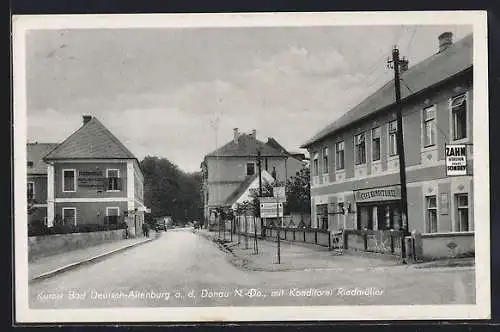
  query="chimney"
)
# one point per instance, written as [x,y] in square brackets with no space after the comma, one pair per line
[445,41]
[235,135]
[86,118]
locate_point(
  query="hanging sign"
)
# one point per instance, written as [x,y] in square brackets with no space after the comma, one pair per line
[378,194]
[456,159]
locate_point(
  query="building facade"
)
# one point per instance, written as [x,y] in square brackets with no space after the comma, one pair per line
[93,178]
[355,181]
[228,168]
[36,190]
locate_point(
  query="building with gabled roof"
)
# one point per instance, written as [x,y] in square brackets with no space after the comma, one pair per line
[92,177]
[230,169]
[355,182]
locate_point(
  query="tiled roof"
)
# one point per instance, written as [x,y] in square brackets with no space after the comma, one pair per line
[35,153]
[246,146]
[425,74]
[91,141]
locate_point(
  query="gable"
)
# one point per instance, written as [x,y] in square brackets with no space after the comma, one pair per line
[91,141]
[243,194]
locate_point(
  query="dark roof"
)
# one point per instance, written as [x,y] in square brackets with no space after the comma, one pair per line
[35,153]
[246,146]
[427,73]
[241,189]
[91,141]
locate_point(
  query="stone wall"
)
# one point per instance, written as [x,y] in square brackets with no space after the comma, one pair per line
[446,245]
[40,246]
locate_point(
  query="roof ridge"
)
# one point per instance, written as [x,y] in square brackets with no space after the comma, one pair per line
[115,139]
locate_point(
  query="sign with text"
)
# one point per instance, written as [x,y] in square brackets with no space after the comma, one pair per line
[456,159]
[271,210]
[92,179]
[378,194]
[279,193]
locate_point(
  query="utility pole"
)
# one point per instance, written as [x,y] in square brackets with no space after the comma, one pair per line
[259,163]
[396,63]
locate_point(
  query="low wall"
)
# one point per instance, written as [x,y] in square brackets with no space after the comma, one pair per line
[40,246]
[437,245]
[384,242]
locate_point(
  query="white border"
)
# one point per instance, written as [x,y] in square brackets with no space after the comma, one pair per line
[481,310]
[74,180]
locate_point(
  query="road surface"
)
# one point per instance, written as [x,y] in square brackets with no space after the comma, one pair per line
[182,268]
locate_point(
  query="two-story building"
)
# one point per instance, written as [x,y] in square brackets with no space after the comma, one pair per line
[227,169]
[355,161]
[93,178]
[37,180]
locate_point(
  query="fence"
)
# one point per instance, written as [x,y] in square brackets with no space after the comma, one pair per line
[304,235]
[379,241]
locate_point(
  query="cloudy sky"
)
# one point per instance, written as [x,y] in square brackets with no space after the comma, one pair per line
[178,93]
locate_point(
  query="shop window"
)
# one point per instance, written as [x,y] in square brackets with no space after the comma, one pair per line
[69,216]
[431,214]
[339,155]
[31,190]
[113,178]
[112,215]
[429,126]
[459,117]
[325,160]
[69,180]
[462,220]
[393,131]
[360,149]
[376,144]
[315,164]
[322,216]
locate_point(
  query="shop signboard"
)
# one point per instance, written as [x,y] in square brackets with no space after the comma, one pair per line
[91,179]
[456,159]
[270,207]
[390,193]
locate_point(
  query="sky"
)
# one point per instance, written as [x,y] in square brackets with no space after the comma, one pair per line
[179,92]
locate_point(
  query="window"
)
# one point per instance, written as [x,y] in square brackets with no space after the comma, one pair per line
[250,168]
[459,117]
[31,190]
[429,126]
[315,164]
[393,130]
[462,220]
[376,144]
[113,177]
[69,180]
[69,216]
[431,214]
[325,160]
[339,155]
[112,215]
[360,149]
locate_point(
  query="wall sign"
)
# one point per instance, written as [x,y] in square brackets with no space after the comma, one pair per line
[378,194]
[91,179]
[456,159]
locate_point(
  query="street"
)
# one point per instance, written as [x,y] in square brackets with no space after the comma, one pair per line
[182,268]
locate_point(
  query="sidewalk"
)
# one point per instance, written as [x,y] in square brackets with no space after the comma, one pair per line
[45,267]
[309,257]
[297,256]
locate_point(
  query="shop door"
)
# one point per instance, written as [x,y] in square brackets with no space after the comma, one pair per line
[365,217]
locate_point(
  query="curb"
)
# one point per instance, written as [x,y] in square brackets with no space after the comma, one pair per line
[94,259]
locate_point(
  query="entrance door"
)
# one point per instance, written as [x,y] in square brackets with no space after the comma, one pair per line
[365,217]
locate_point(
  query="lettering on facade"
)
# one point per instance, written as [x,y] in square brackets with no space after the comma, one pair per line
[91,179]
[456,160]
[378,194]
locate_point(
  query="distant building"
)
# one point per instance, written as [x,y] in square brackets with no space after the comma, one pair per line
[228,170]
[92,178]
[37,180]
[355,163]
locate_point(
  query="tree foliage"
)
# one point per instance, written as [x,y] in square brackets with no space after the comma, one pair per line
[298,192]
[169,191]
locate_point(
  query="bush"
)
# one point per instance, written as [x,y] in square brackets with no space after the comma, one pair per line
[37,228]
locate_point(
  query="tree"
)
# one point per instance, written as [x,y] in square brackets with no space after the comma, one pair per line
[171,192]
[298,192]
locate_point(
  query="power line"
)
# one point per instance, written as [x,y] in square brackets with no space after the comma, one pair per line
[411,40]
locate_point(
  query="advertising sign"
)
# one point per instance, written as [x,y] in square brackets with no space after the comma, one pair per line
[456,159]
[378,194]
[92,179]
[271,210]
